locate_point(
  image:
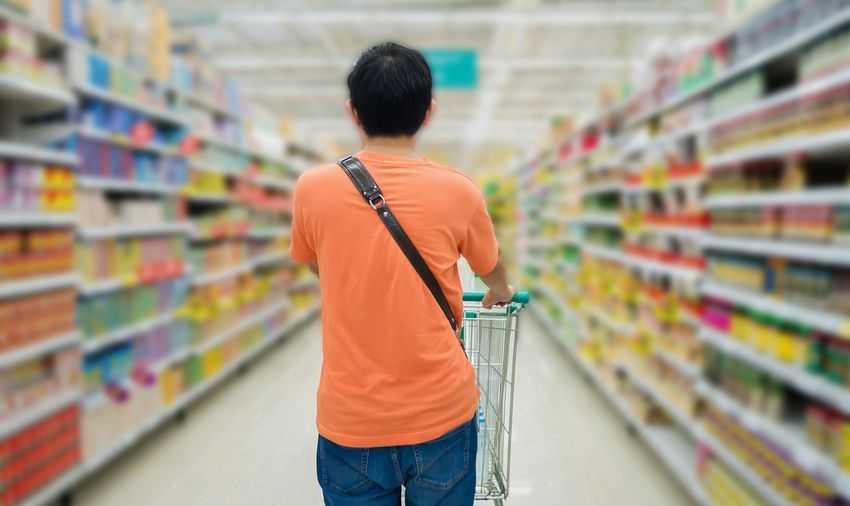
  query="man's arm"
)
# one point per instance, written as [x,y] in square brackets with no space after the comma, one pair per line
[500,292]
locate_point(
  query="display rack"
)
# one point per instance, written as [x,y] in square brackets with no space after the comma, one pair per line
[672,292]
[206,299]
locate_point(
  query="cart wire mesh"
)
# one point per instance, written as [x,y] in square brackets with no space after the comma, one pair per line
[490,339]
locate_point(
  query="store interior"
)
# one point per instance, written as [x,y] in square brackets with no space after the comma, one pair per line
[669,180]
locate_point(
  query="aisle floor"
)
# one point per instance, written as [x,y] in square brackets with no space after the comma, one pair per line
[252,442]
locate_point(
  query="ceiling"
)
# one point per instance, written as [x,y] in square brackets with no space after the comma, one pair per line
[537,58]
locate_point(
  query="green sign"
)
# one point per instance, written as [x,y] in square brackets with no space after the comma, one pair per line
[453,68]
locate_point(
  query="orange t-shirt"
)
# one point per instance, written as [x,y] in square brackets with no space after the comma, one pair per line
[393,372]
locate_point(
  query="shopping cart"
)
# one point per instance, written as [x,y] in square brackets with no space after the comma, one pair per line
[490,338]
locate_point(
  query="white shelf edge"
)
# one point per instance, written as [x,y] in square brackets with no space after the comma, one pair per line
[245,323]
[17,150]
[837,195]
[210,198]
[21,420]
[19,219]
[206,278]
[682,273]
[813,252]
[149,110]
[101,183]
[39,349]
[96,343]
[134,230]
[104,136]
[9,289]
[21,88]
[303,285]
[270,259]
[272,233]
[798,143]
[830,322]
[113,284]
[681,365]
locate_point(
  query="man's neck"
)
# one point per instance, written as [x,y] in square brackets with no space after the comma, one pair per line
[396,146]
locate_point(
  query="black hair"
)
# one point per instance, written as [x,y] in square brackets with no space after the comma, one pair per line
[390,87]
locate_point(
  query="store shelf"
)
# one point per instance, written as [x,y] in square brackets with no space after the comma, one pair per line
[120,185]
[39,349]
[151,111]
[826,196]
[677,454]
[252,320]
[742,470]
[201,166]
[268,233]
[241,149]
[93,465]
[209,105]
[124,141]
[600,220]
[94,344]
[133,230]
[274,182]
[791,437]
[270,259]
[17,150]
[40,29]
[306,284]
[810,144]
[16,88]
[814,252]
[602,188]
[681,273]
[607,320]
[206,278]
[687,423]
[693,234]
[795,93]
[22,419]
[685,367]
[28,286]
[23,219]
[775,51]
[210,198]
[833,395]
[91,288]
[833,323]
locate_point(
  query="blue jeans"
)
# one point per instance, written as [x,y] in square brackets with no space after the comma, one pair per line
[439,472]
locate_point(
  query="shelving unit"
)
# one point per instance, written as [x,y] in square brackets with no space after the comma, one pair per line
[675,163]
[127,146]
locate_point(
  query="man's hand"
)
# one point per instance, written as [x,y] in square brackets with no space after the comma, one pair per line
[498,297]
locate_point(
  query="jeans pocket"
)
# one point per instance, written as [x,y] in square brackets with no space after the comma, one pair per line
[441,463]
[344,470]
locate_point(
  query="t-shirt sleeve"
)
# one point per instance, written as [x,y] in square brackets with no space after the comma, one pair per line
[301,246]
[479,246]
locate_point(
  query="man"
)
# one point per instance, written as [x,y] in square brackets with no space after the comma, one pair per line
[397,397]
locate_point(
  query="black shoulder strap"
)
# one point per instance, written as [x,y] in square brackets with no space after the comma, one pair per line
[368,188]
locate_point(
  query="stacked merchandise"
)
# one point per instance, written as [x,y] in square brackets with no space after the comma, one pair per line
[144,222]
[714,311]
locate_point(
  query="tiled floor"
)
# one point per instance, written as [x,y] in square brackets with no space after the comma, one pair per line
[253,442]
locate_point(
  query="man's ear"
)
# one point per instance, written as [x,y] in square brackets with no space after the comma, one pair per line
[432,110]
[352,113]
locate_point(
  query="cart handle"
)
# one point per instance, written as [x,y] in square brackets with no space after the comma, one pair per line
[519,297]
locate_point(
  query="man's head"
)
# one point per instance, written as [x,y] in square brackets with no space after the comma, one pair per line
[390,91]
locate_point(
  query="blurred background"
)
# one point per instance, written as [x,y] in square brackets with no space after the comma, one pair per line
[670,179]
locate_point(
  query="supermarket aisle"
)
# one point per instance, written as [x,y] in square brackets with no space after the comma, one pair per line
[253,442]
